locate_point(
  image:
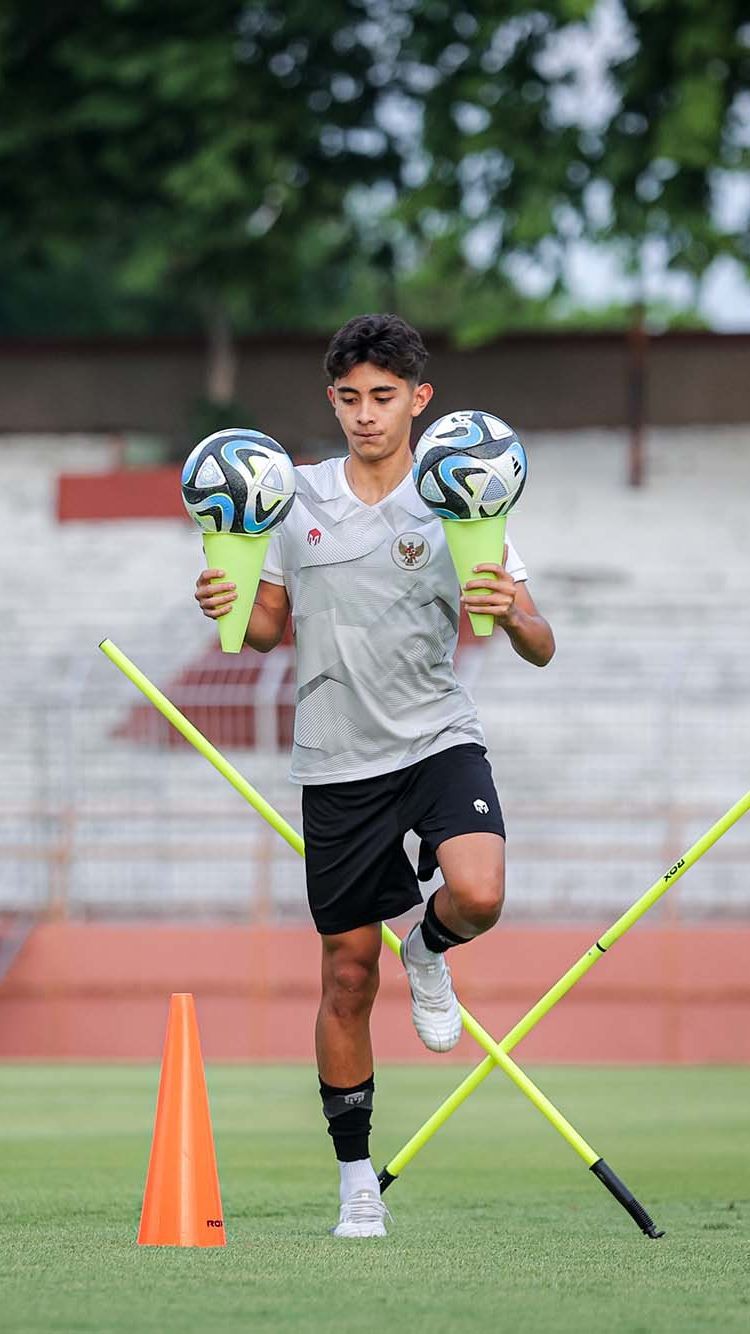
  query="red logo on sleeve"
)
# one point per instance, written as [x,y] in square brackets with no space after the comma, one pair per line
[314,536]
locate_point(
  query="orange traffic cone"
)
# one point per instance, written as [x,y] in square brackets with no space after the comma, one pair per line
[182,1200]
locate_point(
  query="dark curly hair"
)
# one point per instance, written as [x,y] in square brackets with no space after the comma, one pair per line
[385,340]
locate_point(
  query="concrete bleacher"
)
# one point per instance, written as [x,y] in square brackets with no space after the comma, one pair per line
[625,748]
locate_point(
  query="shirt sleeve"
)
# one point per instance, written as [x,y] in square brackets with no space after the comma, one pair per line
[273,566]
[514,565]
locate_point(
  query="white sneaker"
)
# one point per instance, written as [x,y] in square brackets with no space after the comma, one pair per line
[362,1215]
[434,1007]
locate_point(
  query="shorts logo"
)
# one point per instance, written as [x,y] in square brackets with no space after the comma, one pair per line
[411,551]
[481,807]
[314,536]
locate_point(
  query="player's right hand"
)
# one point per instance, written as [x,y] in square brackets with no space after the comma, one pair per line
[214,599]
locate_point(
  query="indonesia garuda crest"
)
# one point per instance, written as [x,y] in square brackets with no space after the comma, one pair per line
[411,551]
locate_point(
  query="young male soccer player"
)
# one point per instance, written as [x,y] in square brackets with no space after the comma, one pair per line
[385,739]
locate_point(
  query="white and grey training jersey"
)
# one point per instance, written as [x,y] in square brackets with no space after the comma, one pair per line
[375,607]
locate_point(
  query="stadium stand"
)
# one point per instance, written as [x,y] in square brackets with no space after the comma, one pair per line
[609,762]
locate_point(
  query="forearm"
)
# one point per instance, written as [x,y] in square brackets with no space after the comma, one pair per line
[531,636]
[263,629]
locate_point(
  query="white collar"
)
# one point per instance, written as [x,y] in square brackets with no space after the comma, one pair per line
[405,491]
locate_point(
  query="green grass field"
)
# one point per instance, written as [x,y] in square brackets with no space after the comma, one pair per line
[498,1224]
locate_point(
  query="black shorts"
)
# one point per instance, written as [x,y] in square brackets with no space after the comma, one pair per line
[356,866]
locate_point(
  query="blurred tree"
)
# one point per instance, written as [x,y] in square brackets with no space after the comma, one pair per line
[660,166]
[195,150]
[492,176]
[268,164]
[680,130]
[622,123]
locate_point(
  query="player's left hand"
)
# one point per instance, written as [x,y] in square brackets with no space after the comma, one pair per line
[499,597]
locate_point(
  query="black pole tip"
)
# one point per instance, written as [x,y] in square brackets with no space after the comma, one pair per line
[626,1198]
[386,1179]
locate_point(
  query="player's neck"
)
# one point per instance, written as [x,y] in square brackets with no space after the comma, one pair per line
[372,480]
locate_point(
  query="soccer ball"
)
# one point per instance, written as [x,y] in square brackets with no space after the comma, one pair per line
[469,465]
[238,481]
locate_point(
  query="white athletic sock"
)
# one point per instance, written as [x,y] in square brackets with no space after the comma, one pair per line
[418,951]
[359,1175]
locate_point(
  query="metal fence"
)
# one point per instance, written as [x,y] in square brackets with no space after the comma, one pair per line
[608,770]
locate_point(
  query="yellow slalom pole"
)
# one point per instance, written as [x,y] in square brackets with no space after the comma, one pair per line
[498,1056]
[495,1052]
[233,776]
[197,739]
[568,980]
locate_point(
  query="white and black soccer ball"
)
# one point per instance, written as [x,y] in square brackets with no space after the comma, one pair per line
[469,465]
[238,481]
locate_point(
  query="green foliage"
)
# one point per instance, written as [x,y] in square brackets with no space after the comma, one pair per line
[494,157]
[198,151]
[208,416]
[295,162]
[678,124]
[504,154]
[619,315]
[474,306]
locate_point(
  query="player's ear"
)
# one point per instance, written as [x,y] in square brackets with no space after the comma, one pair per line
[331,394]
[422,395]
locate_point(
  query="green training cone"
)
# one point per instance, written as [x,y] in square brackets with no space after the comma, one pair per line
[242,560]
[475,542]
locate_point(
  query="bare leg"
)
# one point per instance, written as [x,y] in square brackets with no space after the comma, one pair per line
[466,905]
[350,979]
[470,901]
[344,1050]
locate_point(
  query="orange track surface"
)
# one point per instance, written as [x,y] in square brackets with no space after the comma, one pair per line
[92,991]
